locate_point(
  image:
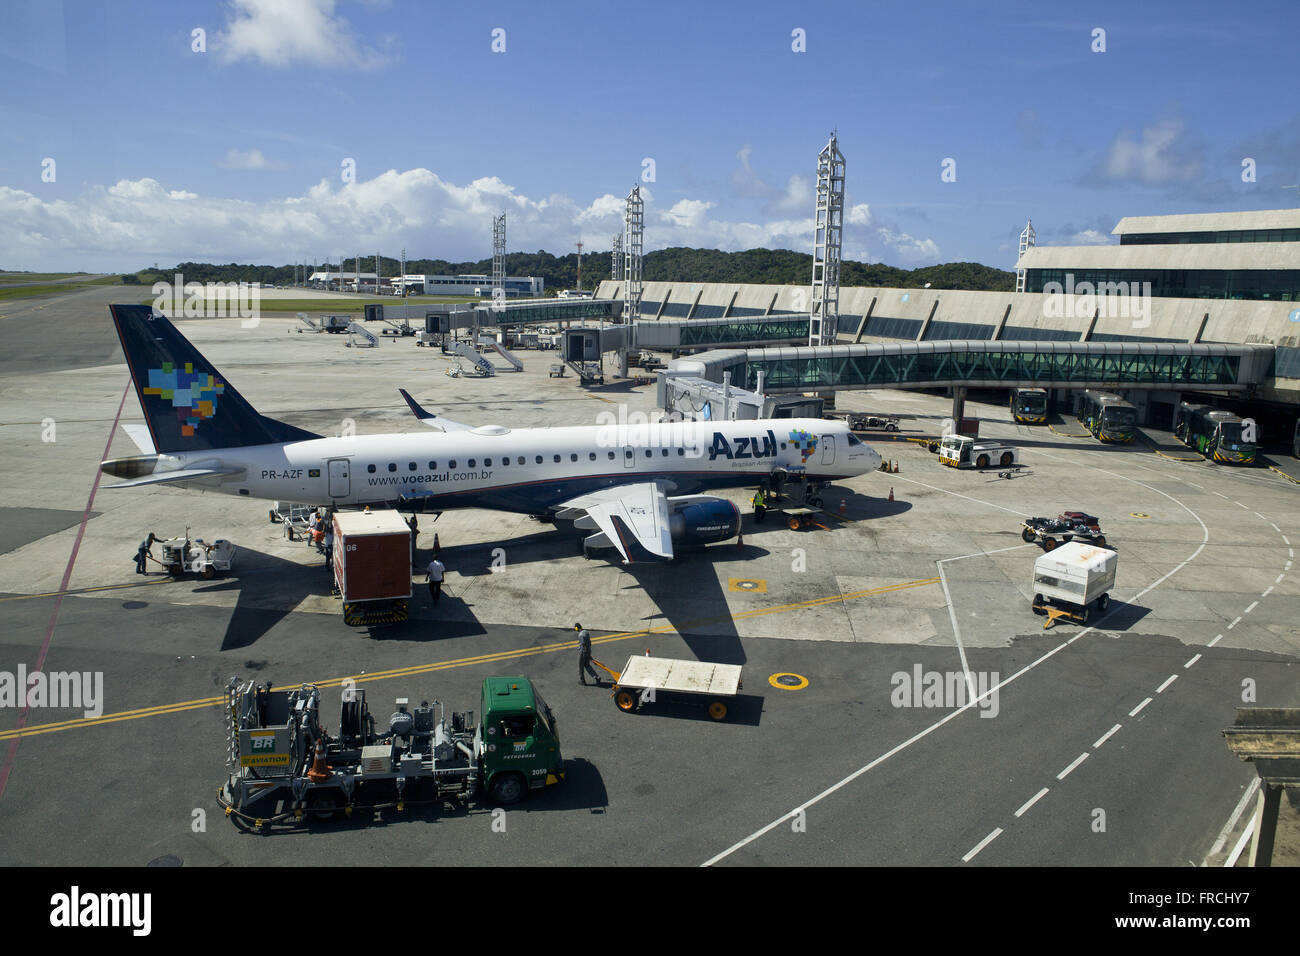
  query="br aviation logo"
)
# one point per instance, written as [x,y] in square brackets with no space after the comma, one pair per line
[805,442]
[193,394]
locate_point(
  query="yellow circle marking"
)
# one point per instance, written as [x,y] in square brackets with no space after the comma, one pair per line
[775,681]
[1139,514]
[755,585]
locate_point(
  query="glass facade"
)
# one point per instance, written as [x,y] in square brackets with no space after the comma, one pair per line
[1020,333]
[751,330]
[944,331]
[1225,235]
[559,309]
[1013,367]
[1281,285]
[709,311]
[886,328]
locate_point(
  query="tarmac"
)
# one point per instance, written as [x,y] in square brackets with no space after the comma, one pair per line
[1123,717]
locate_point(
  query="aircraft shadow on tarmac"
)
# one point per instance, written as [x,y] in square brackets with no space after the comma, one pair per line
[269,588]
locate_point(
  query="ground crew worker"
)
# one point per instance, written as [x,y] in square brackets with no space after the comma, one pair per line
[328,550]
[434,577]
[760,505]
[584,656]
[145,551]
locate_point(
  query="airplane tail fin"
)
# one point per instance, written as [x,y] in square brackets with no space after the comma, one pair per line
[187,403]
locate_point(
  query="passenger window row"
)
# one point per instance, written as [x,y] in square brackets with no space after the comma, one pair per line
[521,459]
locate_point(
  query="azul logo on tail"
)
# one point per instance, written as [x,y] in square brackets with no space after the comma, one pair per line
[193,394]
[743,447]
[805,442]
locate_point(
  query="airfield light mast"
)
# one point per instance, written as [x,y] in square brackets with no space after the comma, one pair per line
[499,259]
[616,254]
[827,240]
[1027,239]
[634,229]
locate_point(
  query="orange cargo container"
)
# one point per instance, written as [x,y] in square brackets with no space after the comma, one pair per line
[372,566]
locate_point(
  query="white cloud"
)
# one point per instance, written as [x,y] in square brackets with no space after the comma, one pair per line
[908,250]
[1089,237]
[1162,156]
[246,159]
[859,215]
[687,213]
[281,33]
[133,222]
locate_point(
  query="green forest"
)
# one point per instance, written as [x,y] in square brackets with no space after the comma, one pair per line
[765,266]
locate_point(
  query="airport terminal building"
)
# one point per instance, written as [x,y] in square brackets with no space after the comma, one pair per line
[1220,278]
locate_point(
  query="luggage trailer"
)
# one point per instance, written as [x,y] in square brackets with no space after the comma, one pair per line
[648,680]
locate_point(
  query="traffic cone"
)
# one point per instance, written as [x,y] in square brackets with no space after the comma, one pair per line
[843,505]
[891,492]
[318,771]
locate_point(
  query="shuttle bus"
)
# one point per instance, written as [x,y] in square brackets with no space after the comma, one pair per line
[1029,405]
[1218,435]
[1108,416]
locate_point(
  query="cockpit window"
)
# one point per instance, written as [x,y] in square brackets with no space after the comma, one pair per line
[852,439]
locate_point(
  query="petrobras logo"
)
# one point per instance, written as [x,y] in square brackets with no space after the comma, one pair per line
[806,442]
[744,446]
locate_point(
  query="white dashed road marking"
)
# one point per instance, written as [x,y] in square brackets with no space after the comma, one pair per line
[1192,661]
[1078,760]
[1108,734]
[1138,709]
[1161,688]
[1031,801]
[982,844]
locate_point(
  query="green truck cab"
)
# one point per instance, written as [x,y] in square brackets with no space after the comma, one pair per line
[517,740]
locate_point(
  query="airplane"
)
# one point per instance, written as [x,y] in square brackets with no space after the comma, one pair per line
[640,488]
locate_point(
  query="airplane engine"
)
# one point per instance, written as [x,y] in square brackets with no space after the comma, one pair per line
[701,520]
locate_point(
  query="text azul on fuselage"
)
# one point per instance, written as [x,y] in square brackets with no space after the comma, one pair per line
[743,446]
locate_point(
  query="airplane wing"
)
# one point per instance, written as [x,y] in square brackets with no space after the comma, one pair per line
[430,419]
[634,518]
[184,474]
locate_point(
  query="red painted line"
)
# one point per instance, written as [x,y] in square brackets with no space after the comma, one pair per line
[58,602]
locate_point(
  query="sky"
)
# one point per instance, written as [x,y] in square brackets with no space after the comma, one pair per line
[280,131]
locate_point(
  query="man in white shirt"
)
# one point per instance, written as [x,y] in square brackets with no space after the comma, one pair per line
[434,577]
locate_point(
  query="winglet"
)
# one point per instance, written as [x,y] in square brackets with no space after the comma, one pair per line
[416,408]
[430,419]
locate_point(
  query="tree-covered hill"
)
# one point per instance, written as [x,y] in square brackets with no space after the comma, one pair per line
[678,264]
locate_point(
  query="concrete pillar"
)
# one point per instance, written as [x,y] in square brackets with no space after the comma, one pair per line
[1087,333]
[958,404]
[997,333]
[925,326]
[1261,847]
[862,326]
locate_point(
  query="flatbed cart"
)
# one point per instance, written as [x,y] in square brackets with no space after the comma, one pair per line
[796,518]
[647,680]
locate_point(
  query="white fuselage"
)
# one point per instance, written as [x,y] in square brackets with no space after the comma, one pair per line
[531,470]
